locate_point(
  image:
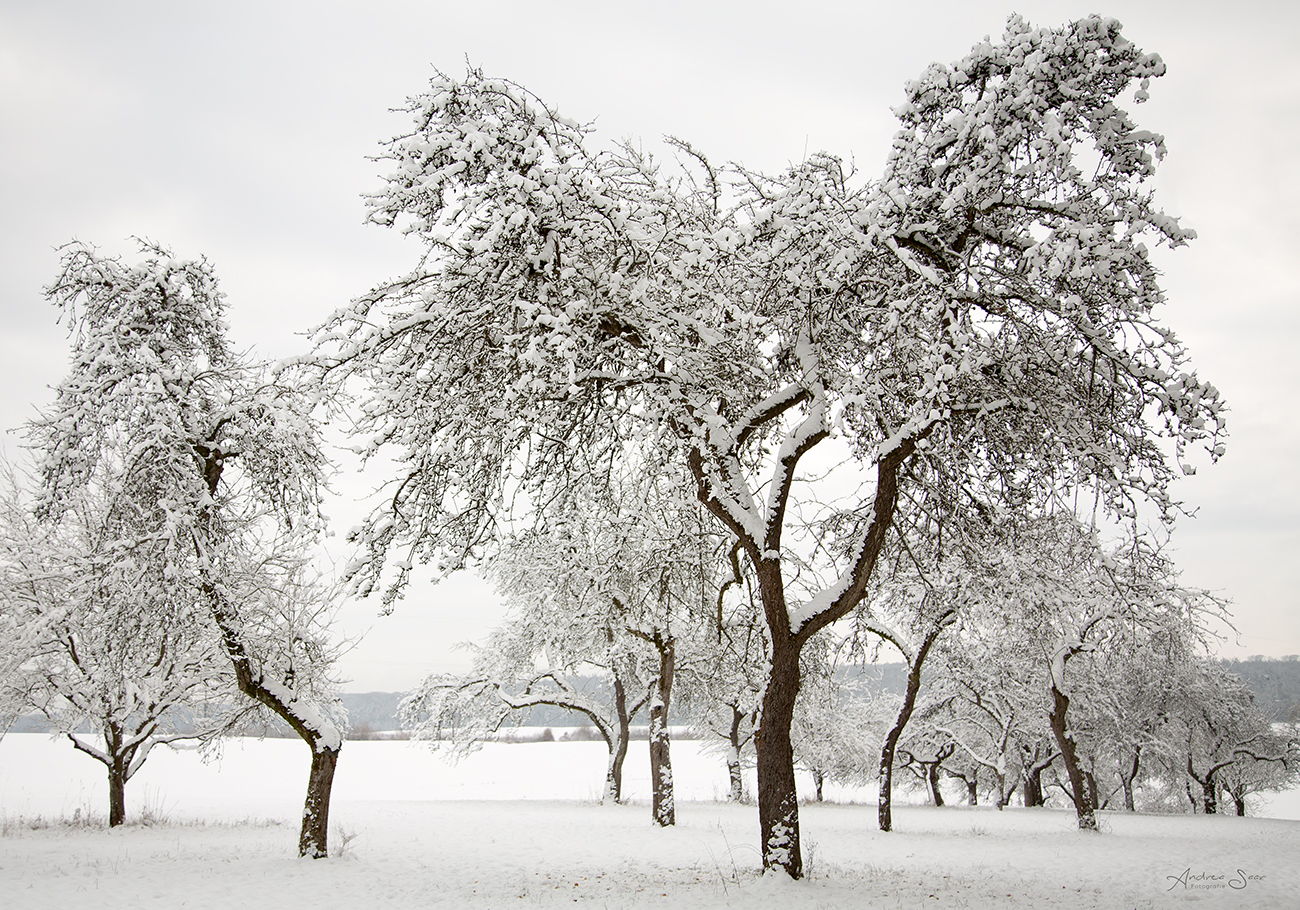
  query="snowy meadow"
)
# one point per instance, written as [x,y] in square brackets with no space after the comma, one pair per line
[520,825]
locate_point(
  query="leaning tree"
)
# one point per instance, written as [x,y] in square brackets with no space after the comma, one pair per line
[156,397]
[983,314]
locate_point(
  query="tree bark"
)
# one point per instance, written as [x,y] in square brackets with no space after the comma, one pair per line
[778,799]
[818,780]
[932,778]
[116,794]
[885,814]
[663,806]
[313,840]
[618,749]
[1127,776]
[1065,742]
[737,793]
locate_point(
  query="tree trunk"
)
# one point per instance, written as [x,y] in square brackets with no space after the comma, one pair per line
[663,806]
[116,792]
[973,790]
[1238,801]
[778,800]
[322,737]
[661,768]
[885,815]
[1127,776]
[313,840]
[932,778]
[733,756]
[1211,799]
[618,748]
[1034,787]
[1065,741]
[818,780]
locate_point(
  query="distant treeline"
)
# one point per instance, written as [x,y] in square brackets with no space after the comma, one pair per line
[1275,684]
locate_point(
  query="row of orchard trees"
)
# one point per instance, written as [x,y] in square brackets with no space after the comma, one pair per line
[825,364]
[1043,659]
[1073,664]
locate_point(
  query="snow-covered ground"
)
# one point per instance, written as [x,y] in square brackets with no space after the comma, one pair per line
[518,825]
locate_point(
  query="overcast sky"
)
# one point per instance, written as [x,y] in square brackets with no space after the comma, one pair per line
[241,130]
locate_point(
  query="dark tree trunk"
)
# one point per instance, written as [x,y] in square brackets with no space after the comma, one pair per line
[1094,800]
[1034,788]
[1065,742]
[618,748]
[973,791]
[1127,775]
[117,762]
[116,794]
[932,777]
[1033,776]
[737,793]
[1209,796]
[1238,801]
[818,780]
[778,800]
[885,815]
[313,840]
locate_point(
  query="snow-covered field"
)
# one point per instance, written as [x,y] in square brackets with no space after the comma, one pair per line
[517,825]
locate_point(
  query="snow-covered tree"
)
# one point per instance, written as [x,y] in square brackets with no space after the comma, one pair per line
[156,399]
[986,309]
[1224,740]
[533,660]
[113,641]
[838,724]
[727,676]
[989,705]
[613,582]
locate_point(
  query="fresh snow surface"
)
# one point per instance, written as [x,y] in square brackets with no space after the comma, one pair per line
[518,826]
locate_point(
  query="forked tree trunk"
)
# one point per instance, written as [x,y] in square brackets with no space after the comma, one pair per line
[1238,801]
[1033,776]
[1127,775]
[1065,742]
[117,762]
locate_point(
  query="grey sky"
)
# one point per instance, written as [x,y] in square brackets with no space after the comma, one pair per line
[240,130]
